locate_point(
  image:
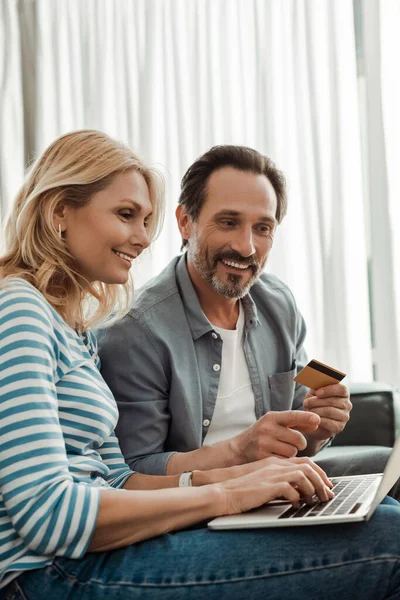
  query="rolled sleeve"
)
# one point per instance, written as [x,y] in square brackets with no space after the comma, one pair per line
[111,455]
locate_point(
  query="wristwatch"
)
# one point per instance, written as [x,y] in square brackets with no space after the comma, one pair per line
[185,480]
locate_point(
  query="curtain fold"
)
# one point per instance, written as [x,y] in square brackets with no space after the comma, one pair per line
[381,22]
[172,78]
[11,106]
[390,85]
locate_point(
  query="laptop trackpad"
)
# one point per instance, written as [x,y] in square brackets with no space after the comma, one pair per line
[252,519]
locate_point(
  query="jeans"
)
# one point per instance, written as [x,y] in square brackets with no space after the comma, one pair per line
[356,461]
[349,562]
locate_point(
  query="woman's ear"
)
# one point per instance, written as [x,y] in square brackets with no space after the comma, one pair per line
[184,222]
[60,218]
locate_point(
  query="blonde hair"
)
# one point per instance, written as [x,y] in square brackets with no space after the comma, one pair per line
[72,169]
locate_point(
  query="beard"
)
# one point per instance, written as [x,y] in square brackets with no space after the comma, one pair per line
[206,263]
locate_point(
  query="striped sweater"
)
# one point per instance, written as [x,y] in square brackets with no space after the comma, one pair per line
[57,442]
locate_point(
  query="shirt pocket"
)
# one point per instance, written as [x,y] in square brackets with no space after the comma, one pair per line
[282,388]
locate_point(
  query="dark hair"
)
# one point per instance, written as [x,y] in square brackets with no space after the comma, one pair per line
[194,182]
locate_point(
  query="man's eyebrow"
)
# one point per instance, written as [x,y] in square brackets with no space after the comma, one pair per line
[236,213]
[268,220]
[228,213]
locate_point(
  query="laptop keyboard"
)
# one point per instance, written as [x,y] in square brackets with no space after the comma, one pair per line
[346,501]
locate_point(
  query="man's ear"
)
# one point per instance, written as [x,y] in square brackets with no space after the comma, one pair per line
[60,217]
[184,222]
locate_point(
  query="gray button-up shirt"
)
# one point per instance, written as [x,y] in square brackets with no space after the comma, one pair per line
[163,363]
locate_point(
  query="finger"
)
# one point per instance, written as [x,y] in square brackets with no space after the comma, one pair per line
[277,448]
[269,461]
[330,427]
[321,488]
[284,490]
[313,465]
[297,419]
[299,480]
[336,389]
[292,437]
[332,413]
[312,500]
[316,402]
[311,483]
[306,479]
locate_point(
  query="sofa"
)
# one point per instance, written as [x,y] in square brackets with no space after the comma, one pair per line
[374,420]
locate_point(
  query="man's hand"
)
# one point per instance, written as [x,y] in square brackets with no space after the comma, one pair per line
[274,434]
[332,404]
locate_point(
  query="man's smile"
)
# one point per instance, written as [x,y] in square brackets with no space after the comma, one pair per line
[235,265]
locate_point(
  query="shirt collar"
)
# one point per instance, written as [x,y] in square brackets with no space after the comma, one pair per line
[199,324]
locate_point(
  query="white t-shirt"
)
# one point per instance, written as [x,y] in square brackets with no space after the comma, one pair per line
[234,408]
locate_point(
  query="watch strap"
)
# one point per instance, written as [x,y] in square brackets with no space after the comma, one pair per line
[185,480]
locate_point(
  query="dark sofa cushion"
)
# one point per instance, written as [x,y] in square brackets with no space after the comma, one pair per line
[373,418]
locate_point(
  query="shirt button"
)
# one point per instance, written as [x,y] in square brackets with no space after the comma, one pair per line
[214,335]
[216,367]
[206,422]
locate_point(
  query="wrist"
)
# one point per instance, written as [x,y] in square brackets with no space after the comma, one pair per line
[234,453]
[201,478]
[324,443]
[209,477]
[214,475]
[314,445]
[185,479]
[218,498]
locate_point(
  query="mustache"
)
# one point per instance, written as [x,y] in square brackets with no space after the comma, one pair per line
[250,261]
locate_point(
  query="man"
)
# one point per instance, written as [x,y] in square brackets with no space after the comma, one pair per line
[202,367]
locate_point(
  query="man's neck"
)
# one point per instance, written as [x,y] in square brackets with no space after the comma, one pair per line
[220,311]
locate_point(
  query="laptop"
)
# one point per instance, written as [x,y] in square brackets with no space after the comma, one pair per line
[356,498]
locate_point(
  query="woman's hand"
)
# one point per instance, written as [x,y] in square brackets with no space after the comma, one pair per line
[141,512]
[291,479]
[223,474]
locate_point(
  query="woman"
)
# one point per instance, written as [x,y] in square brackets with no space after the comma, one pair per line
[75,522]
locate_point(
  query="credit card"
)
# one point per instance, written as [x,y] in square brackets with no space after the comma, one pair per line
[316,375]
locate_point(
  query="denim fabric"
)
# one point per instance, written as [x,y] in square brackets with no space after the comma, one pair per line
[12,592]
[350,562]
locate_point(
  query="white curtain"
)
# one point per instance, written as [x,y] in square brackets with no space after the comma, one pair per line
[173,77]
[390,27]
[381,26]
[11,106]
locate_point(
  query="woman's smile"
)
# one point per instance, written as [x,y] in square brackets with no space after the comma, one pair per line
[125,257]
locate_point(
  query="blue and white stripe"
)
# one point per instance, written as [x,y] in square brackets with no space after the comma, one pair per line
[57,442]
